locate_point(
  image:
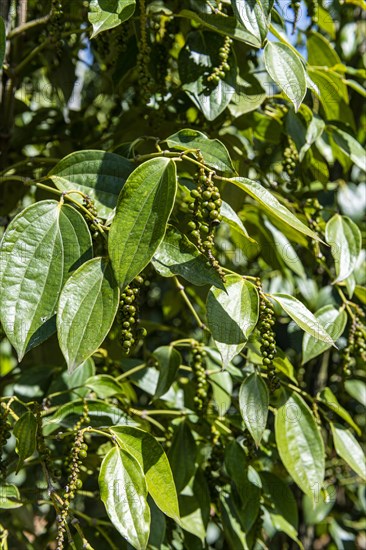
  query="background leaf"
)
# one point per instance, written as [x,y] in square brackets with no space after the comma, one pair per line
[25,431]
[87,308]
[183,444]
[2,42]
[169,360]
[348,448]
[345,241]
[123,491]
[252,16]
[334,322]
[232,315]
[253,403]
[143,210]
[303,317]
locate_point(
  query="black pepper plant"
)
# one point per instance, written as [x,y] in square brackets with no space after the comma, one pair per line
[182,274]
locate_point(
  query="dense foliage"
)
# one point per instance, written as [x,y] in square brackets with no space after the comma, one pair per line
[182,276]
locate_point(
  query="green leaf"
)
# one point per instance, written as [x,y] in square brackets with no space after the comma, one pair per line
[183,445]
[169,360]
[40,248]
[222,389]
[107,14]
[143,210]
[357,390]
[25,431]
[348,448]
[349,145]
[313,132]
[104,385]
[283,503]
[285,250]
[2,42]
[333,102]
[98,174]
[316,512]
[230,217]
[334,322]
[321,52]
[155,465]
[123,491]
[9,495]
[214,152]
[227,26]
[300,444]
[251,15]
[232,315]
[253,404]
[302,317]
[327,397]
[176,255]
[270,204]
[196,62]
[286,69]
[344,238]
[87,308]
[232,523]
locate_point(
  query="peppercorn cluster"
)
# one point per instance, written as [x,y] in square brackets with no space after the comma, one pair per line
[55,26]
[356,346]
[5,434]
[214,464]
[88,203]
[218,73]
[268,341]
[79,451]
[295,5]
[145,81]
[290,163]
[128,312]
[313,10]
[199,373]
[205,215]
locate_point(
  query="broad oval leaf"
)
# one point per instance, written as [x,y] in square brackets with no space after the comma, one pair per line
[350,146]
[300,444]
[87,308]
[176,255]
[327,397]
[196,62]
[98,174]
[213,151]
[25,431]
[183,445]
[169,360]
[123,491]
[348,448]
[230,217]
[344,238]
[334,323]
[103,385]
[155,465]
[232,315]
[286,69]
[252,16]
[143,210]
[41,247]
[303,317]
[253,404]
[9,496]
[107,14]
[270,204]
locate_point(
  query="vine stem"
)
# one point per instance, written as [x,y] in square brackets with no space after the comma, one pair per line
[28,25]
[131,371]
[180,287]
